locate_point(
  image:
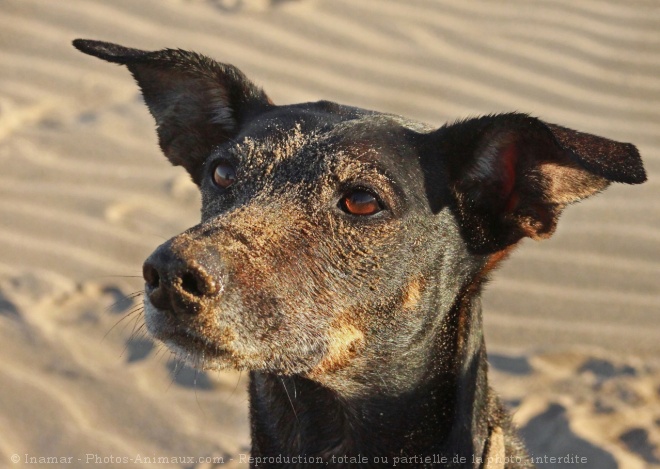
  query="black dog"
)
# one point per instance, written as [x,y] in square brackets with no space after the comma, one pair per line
[341,256]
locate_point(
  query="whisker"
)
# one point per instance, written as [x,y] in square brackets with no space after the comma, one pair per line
[195,388]
[122,319]
[116,276]
[126,324]
[175,372]
[160,352]
[240,375]
[290,401]
[131,337]
[135,323]
[125,298]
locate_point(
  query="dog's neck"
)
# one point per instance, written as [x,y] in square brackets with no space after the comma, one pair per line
[440,411]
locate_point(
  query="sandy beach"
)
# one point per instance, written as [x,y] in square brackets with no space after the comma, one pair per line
[572,323]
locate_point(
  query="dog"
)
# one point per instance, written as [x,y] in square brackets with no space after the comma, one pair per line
[341,256]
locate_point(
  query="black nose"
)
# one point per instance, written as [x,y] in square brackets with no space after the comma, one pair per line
[179,282]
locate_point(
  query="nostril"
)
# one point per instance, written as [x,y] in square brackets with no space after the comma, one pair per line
[151,276]
[189,283]
[198,283]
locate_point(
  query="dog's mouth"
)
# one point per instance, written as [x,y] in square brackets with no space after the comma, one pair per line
[190,344]
[206,343]
[198,352]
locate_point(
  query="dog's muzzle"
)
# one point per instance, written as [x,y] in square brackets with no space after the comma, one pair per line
[180,278]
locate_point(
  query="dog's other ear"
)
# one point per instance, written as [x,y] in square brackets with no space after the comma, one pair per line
[197,103]
[511,175]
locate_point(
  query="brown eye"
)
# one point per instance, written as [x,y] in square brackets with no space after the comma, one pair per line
[360,202]
[224,175]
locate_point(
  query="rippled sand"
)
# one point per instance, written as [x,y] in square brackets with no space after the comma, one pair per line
[572,324]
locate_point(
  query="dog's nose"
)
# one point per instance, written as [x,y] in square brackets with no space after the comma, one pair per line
[177,284]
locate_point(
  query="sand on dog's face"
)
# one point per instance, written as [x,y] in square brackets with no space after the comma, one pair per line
[296,269]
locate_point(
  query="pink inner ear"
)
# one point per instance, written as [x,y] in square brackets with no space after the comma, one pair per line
[508,161]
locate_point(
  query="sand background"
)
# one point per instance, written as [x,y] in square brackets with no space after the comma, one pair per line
[572,324]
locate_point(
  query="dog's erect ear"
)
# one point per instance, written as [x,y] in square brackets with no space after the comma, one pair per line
[197,103]
[511,175]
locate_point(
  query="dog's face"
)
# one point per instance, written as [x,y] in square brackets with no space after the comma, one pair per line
[333,237]
[314,222]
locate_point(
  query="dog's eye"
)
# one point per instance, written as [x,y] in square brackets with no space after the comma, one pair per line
[224,175]
[360,202]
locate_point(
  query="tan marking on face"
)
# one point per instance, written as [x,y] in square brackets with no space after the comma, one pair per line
[413,294]
[344,341]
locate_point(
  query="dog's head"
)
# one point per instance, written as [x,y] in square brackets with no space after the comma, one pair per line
[331,235]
